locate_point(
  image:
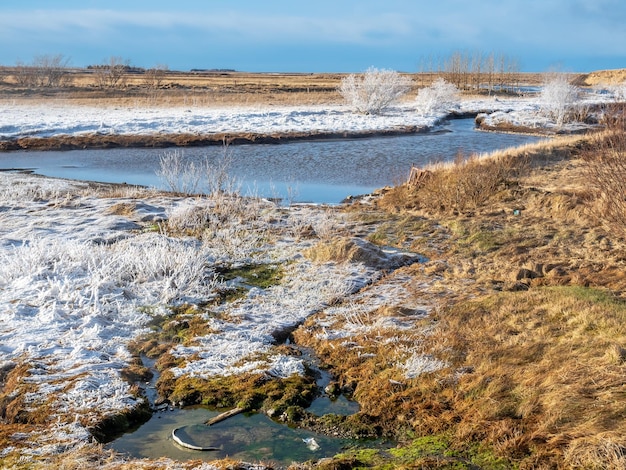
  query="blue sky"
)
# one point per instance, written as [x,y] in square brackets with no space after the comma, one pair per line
[315,36]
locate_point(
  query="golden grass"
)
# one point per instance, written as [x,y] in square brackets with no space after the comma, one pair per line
[529,292]
[211,89]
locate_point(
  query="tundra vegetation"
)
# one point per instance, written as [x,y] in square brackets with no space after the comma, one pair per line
[502,346]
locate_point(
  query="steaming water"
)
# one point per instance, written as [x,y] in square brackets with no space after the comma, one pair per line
[320,172]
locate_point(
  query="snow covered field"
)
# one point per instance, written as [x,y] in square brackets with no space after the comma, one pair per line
[82,274]
[19,120]
[50,119]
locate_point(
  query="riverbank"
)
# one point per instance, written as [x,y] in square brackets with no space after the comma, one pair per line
[412,314]
[56,126]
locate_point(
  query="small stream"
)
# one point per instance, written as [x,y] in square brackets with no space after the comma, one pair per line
[306,171]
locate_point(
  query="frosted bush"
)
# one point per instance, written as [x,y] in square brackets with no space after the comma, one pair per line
[178,175]
[438,97]
[209,176]
[557,98]
[374,91]
[618,92]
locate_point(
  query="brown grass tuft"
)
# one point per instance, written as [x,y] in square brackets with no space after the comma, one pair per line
[464,185]
[606,171]
[344,250]
[123,208]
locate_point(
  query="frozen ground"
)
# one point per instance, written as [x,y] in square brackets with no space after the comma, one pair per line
[19,120]
[48,120]
[81,275]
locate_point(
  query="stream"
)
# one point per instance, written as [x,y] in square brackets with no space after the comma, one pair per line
[325,171]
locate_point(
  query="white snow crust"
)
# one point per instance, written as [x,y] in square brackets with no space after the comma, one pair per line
[23,120]
[54,119]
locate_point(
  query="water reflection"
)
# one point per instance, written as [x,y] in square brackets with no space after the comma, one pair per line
[252,437]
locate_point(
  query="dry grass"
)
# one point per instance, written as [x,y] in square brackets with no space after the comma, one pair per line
[605,165]
[205,89]
[528,293]
[543,362]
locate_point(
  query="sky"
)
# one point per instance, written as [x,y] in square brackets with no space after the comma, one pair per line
[315,36]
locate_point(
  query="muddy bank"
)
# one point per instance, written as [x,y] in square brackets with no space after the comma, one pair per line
[100,141]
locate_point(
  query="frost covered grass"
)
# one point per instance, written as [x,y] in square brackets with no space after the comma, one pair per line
[83,278]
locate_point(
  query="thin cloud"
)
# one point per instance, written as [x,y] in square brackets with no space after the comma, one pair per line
[394,31]
[264,28]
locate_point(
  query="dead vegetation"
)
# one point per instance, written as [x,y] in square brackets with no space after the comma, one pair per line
[105,86]
[526,270]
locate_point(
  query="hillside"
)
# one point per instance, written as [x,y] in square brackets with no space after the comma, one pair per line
[603,77]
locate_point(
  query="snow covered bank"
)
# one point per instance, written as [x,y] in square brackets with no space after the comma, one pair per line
[20,121]
[66,126]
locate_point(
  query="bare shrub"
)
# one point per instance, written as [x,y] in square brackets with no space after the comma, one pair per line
[24,74]
[153,78]
[51,70]
[374,91]
[606,171]
[179,176]
[558,96]
[438,97]
[466,184]
[112,73]
[217,174]
[43,71]
[209,176]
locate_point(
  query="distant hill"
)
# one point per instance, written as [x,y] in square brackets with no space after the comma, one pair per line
[603,77]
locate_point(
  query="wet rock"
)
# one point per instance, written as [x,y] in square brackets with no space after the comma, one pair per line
[332,389]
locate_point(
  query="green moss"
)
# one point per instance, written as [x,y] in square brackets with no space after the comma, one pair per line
[254,275]
[589,294]
[425,452]
[250,392]
[422,447]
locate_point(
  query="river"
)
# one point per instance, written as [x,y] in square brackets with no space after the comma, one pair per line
[305,171]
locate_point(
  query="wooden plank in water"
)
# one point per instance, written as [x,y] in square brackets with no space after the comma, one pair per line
[223,416]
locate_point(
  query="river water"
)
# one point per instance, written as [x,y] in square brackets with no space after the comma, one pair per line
[307,171]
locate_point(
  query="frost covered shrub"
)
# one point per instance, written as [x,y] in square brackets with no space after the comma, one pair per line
[558,97]
[374,91]
[618,92]
[438,97]
[189,177]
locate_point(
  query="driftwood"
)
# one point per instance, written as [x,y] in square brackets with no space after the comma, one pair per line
[210,422]
[418,177]
[223,416]
[184,444]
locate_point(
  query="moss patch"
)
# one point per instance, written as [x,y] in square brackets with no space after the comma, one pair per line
[254,275]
